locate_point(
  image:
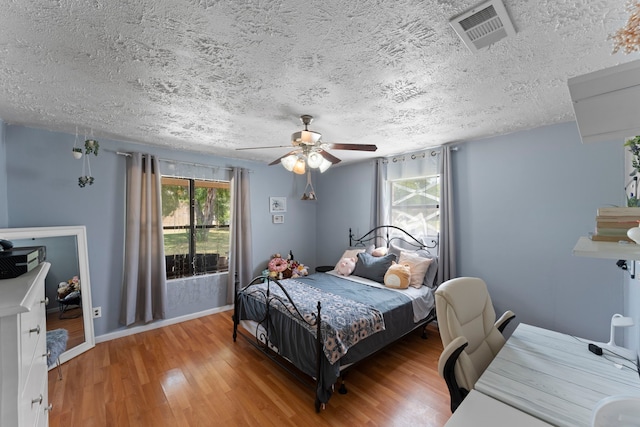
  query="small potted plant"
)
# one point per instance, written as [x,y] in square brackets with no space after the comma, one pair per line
[634,149]
[84,180]
[77,152]
[91,146]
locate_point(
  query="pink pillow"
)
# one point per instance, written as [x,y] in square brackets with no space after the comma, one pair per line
[345,266]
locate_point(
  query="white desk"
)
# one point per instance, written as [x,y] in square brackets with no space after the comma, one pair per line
[554,376]
[480,410]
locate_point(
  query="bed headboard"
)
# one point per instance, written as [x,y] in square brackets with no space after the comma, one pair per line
[389,233]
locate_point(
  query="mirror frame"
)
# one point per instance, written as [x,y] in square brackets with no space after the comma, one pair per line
[80,233]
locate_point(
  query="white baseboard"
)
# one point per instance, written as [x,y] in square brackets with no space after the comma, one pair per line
[160,324]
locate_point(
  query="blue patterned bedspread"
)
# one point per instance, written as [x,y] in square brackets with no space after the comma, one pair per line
[344,321]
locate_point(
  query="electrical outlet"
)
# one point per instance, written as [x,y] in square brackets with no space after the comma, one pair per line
[97,312]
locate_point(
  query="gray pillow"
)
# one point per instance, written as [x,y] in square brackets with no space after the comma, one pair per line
[373,268]
[432,271]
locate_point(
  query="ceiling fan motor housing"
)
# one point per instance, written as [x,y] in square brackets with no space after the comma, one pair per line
[305,137]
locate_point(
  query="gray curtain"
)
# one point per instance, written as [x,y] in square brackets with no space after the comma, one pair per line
[240,256]
[144,293]
[381,197]
[447,246]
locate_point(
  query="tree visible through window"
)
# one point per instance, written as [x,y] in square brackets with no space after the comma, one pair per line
[415,205]
[195,223]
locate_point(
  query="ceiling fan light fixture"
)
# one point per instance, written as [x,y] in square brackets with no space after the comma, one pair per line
[314,160]
[326,164]
[289,162]
[299,167]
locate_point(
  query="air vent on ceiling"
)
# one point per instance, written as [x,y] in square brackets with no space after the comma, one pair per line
[483,25]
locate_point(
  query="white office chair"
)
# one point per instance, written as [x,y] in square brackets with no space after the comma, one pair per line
[470,334]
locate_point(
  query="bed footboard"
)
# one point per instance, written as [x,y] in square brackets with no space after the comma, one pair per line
[261,339]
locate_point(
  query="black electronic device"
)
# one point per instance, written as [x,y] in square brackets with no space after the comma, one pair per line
[595,349]
[5,245]
[17,261]
[42,251]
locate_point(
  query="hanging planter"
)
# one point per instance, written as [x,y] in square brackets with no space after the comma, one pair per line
[76,151]
[91,146]
[87,179]
[84,180]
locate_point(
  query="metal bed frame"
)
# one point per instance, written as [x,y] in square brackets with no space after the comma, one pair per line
[261,339]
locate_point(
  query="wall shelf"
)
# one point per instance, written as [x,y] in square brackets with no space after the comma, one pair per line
[608,250]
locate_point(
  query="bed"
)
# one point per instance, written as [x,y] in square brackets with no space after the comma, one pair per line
[358,314]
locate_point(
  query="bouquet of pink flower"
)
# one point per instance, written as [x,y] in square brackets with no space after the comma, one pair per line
[277,266]
[298,269]
[281,268]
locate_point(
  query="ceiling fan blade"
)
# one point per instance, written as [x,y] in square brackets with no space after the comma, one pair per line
[259,148]
[358,147]
[333,159]
[276,161]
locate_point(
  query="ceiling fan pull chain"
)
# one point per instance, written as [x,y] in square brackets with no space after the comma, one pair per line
[311,195]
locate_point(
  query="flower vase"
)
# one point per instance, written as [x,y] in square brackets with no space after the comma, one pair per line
[634,234]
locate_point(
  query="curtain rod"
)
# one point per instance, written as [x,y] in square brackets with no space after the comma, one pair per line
[416,155]
[121,153]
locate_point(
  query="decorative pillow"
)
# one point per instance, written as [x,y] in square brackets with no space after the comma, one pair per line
[418,266]
[432,271]
[381,251]
[349,253]
[373,268]
[397,276]
[345,266]
[353,252]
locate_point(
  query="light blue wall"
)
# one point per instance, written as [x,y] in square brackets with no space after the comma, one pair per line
[4,212]
[522,200]
[42,191]
[345,199]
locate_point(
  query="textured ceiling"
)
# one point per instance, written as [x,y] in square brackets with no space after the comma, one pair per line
[211,75]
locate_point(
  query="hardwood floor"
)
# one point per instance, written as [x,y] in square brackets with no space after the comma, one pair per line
[193,374]
[73,325]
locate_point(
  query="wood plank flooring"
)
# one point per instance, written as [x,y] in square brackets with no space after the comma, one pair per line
[73,325]
[193,374]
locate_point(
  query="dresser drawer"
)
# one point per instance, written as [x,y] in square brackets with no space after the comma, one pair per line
[33,333]
[33,401]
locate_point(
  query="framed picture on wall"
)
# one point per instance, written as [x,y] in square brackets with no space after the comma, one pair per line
[278,219]
[277,204]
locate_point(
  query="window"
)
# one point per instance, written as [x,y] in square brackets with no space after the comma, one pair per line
[195,223]
[415,205]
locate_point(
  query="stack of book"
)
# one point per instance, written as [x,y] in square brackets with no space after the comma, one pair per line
[612,224]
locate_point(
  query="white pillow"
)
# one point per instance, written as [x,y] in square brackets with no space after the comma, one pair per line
[381,251]
[432,271]
[418,266]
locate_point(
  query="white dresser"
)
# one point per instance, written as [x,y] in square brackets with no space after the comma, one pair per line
[23,348]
